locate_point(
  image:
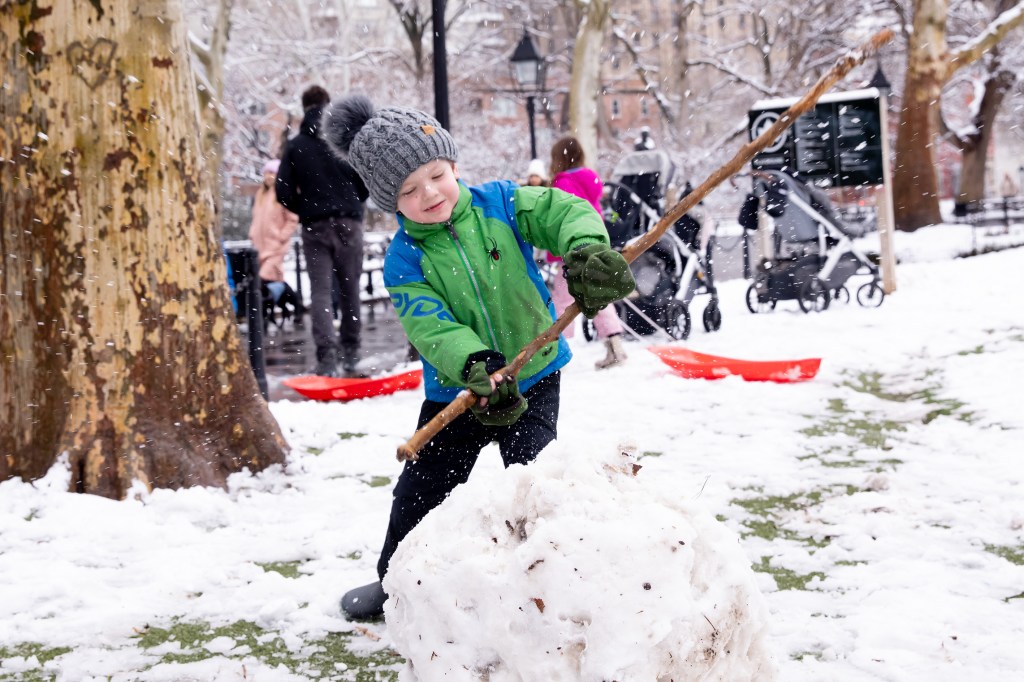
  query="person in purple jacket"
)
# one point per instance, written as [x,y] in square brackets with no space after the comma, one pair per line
[569,174]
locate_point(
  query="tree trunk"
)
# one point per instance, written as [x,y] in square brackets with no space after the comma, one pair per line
[975,151]
[414,23]
[585,85]
[915,184]
[118,346]
[211,90]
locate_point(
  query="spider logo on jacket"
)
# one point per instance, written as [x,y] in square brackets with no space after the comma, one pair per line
[493,252]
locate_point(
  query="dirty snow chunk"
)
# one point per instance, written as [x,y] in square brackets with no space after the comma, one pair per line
[572,569]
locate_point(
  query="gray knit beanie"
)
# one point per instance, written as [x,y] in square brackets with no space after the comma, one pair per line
[384,146]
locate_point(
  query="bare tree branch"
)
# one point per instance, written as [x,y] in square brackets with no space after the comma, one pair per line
[973,50]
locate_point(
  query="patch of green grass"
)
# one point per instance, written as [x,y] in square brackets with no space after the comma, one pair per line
[27,650]
[801,655]
[333,649]
[871,382]
[768,510]
[347,435]
[314,451]
[850,462]
[845,463]
[887,464]
[650,453]
[865,430]
[1015,555]
[355,556]
[871,433]
[323,657]
[378,481]
[289,569]
[771,531]
[838,406]
[977,350]
[785,578]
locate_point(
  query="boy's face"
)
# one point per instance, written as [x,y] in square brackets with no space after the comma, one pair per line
[430,192]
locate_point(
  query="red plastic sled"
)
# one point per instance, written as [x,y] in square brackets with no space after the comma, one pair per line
[325,388]
[693,365]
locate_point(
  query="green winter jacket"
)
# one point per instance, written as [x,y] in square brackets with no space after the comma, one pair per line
[471,285]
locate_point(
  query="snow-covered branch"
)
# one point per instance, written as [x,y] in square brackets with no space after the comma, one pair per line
[972,51]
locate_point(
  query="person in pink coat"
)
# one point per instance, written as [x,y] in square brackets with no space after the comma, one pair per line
[272,226]
[568,173]
[271,233]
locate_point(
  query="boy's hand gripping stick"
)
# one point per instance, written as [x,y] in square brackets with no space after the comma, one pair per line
[842,67]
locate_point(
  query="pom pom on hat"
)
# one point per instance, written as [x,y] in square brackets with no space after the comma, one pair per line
[537,168]
[272,166]
[341,122]
[384,146]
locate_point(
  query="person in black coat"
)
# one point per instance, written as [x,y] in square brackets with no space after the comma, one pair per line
[329,197]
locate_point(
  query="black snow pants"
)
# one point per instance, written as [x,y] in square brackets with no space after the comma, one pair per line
[447,460]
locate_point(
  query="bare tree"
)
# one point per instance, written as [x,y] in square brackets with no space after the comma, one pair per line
[930,65]
[585,81]
[991,79]
[209,51]
[119,346]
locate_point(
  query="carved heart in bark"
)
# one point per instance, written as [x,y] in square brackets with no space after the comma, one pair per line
[92,64]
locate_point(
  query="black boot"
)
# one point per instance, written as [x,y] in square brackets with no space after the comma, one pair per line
[350,360]
[326,363]
[364,603]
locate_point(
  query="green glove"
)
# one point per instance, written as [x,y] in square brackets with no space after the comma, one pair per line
[597,276]
[505,404]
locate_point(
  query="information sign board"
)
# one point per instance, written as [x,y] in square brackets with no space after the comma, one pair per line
[836,144]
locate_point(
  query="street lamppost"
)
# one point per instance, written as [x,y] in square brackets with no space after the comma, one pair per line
[881,83]
[528,68]
[440,65]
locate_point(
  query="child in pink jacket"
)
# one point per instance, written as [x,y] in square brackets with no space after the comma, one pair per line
[570,175]
[272,226]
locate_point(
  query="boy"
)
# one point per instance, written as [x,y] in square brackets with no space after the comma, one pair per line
[461,275]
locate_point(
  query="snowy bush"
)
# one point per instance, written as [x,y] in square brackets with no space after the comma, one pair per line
[572,569]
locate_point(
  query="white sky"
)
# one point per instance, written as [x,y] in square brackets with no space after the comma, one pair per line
[899,514]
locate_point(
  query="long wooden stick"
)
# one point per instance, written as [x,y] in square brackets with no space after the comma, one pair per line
[842,67]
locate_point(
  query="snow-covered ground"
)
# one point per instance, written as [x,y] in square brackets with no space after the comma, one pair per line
[881,504]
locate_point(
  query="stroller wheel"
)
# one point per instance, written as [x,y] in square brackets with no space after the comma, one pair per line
[589,332]
[755,304]
[814,296]
[841,295]
[870,295]
[712,317]
[677,320]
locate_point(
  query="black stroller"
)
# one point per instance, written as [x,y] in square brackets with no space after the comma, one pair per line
[811,254]
[671,272]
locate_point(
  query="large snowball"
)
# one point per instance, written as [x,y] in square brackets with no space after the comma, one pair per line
[572,569]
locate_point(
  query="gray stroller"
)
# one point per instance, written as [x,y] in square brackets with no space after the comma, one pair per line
[673,271]
[812,254]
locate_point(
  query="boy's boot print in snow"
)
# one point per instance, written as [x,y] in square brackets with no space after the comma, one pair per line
[616,353]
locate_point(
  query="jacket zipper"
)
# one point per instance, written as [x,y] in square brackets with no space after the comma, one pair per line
[476,285]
